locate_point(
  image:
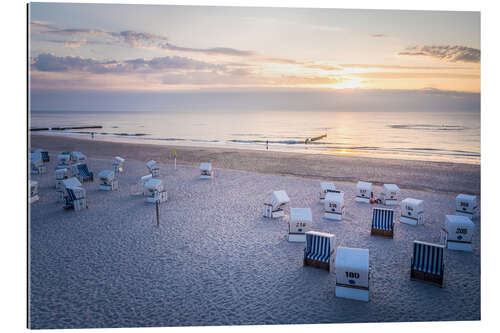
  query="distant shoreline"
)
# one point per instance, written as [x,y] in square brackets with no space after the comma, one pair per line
[446,177]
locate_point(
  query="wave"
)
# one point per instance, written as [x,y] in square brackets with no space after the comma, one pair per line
[428,127]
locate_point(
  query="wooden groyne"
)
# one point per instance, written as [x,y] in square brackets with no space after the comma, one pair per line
[316,138]
[64,128]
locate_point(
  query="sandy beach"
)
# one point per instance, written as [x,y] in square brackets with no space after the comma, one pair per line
[214,260]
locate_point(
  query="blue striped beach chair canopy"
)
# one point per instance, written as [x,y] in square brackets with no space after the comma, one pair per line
[428,257]
[83,170]
[352,266]
[319,245]
[383,219]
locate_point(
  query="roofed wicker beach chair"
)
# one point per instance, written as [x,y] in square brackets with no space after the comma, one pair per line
[299,223]
[69,182]
[457,233]
[60,175]
[427,263]
[466,205]
[81,171]
[383,222]
[334,206]
[274,208]
[107,180]
[118,164]
[33,192]
[36,164]
[390,194]
[64,160]
[155,191]
[44,154]
[75,198]
[352,273]
[325,188]
[364,192]
[153,168]
[412,211]
[320,250]
[78,157]
[206,171]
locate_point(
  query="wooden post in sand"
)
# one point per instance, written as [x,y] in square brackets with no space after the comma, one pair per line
[157,204]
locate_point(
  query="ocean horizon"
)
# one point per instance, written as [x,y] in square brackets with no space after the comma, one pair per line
[427,136]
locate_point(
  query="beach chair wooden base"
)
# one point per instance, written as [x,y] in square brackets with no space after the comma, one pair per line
[33,199]
[205,177]
[297,238]
[459,246]
[333,216]
[381,232]
[408,220]
[112,187]
[427,277]
[390,202]
[352,292]
[362,200]
[317,264]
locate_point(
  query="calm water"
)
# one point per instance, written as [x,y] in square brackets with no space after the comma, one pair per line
[433,136]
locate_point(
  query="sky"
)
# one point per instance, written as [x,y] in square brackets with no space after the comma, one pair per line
[88,49]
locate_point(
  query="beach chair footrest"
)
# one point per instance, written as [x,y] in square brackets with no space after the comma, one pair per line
[381,232]
[427,277]
[317,264]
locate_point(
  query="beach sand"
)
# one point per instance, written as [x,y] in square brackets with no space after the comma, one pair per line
[214,260]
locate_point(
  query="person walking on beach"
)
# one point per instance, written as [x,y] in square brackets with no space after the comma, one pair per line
[267,144]
[92,134]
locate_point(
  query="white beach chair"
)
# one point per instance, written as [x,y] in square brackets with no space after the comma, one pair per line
[65,183]
[325,188]
[78,157]
[63,160]
[75,198]
[36,164]
[118,164]
[153,168]
[412,211]
[299,223]
[274,209]
[364,192]
[466,205]
[382,222]
[427,262]
[334,206]
[206,171]
[108,181]
[33,192]
[154,191]
[457,233]
[61,174]
[320,250]
[352,273]
[390,194]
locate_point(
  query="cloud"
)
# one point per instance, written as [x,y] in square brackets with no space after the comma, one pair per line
[47,62]
[415,75]
[73,44]
[445,52]
[379,35]
[213,50]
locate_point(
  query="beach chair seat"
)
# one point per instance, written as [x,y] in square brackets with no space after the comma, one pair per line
[33,191]
[466,205]
[412,211]
[77,157]
[75,199]
[206,171]
[118,164]
[107,180]
[457,233]
[155,191]
[320,249]
[352,273]
[383,222]
[274,208]
[364,193]
[427,262]
[299,223]
[334,205]
[390,194]
[325,188]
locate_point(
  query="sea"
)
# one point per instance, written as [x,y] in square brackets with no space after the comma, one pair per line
[426,136]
